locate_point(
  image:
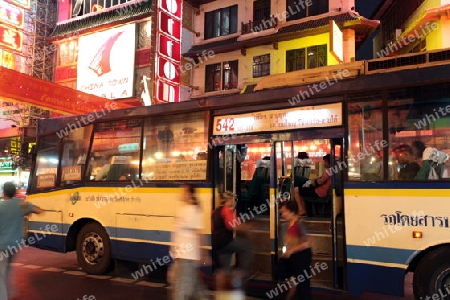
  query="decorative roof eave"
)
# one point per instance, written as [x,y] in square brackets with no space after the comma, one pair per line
[105,18]
[362,27]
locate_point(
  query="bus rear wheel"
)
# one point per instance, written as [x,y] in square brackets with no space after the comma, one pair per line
[432,275]
[94,249]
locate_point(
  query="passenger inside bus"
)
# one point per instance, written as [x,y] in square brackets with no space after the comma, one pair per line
[404,163]
[302,169]
[318,188]
[433,165]
[418,148]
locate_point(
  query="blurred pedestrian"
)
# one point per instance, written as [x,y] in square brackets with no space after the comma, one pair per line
[12,211]
[186,239]
[224,222]
[296,258]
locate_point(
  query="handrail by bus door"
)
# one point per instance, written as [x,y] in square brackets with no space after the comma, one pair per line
[336,183]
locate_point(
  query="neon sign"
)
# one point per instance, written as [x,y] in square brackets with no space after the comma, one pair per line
[22,3]
[11,38]
[11,15]
[168,51]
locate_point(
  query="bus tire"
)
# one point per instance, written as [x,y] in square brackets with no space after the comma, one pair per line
[432,275]
[94,249]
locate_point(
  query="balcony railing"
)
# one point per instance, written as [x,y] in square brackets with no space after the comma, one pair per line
[259,25]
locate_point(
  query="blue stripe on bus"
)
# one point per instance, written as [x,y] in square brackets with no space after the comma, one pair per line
[114,232]
[379,254]
[398,185]
[141,234]
[376,279]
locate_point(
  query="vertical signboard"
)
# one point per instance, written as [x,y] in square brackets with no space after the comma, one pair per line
[106,62]
[168,51]
[336,41]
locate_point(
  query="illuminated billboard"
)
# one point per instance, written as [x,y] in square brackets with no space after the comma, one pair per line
[11,15]
[106,62]
[168,51]
[10,38]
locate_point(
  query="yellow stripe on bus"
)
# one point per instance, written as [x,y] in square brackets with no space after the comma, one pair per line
[397,192]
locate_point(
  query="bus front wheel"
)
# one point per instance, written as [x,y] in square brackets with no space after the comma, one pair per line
[94,249]
[432,275]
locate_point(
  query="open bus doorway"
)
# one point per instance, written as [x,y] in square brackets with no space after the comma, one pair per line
[298,163]
[244,169]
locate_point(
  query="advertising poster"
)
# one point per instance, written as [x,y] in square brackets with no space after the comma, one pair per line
[106,62]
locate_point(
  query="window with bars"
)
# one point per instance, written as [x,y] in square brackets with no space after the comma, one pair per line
[261,11]
[306,58]
[261,65]
[299,9]
[221,22]
[221,76]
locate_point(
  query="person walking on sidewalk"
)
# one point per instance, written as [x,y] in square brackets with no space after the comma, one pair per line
[12,212]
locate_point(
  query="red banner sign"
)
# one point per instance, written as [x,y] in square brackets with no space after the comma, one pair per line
[11,15]
[168,51]
[18,87]
[65,73]
[11,38]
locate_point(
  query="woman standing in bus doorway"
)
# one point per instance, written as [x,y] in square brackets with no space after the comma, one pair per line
[296,258]
[186,243]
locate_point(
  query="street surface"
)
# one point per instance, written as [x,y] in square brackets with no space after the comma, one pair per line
[45,275]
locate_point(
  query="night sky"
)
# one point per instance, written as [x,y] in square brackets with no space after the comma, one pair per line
[366,8]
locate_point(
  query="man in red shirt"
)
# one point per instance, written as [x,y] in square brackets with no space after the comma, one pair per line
[224,221]
[318,188]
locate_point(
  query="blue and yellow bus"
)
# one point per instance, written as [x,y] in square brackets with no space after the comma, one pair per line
[110,183]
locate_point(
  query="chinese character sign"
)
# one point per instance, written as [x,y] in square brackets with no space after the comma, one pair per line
[11,38]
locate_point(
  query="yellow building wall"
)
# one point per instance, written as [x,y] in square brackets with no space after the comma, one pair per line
[438,39]
[278,57]
[245,69]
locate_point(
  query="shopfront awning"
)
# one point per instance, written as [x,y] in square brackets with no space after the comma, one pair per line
[22,88]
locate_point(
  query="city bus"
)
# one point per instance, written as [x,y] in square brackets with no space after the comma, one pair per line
[110,184]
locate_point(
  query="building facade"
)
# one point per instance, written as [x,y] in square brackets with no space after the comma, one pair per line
[411,26]
[239,42]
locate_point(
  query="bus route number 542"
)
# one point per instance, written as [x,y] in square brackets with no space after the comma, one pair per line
[225,124]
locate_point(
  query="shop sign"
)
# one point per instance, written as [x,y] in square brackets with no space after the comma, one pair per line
[10,38]
[11,15]
[168,51]
[6,165]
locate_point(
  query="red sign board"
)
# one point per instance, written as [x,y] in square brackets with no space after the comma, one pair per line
[11,38]
[166,91]
[169,25]
[65,73]
[169,47]
[168,51]
[168,69]
[11,14]
[171,6]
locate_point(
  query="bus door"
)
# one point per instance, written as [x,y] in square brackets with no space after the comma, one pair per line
[244,169]
[297,163]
